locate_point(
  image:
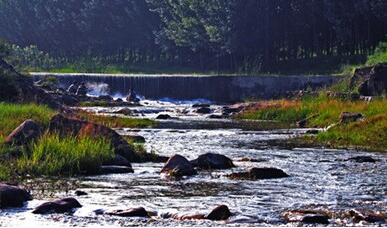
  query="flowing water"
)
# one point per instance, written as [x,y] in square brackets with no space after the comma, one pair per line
[319,178]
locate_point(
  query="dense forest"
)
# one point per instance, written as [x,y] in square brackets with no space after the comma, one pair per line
[222,35]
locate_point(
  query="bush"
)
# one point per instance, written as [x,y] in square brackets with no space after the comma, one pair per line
[55,155]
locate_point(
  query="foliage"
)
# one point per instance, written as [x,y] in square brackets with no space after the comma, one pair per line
[56,155]
[12,115]
[214,35]
[379,56]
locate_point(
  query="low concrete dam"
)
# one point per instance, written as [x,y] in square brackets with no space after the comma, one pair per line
[220,89]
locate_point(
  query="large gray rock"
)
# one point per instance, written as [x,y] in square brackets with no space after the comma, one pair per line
[27,132]
[70,126]
[178,166]
[58,206]
[370,81]
[213,161]
[12,196]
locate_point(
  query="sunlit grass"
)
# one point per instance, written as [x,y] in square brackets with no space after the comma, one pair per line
[115,121]
[12,115]
[56,155]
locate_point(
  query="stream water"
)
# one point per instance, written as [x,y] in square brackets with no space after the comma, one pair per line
[319,179]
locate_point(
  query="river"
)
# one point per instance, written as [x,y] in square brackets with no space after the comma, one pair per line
[319,178]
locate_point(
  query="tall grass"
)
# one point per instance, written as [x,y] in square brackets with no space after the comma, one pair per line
[55,155]
[12,115]
[115,121]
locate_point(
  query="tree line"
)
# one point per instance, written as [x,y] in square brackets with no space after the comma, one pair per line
[228,35]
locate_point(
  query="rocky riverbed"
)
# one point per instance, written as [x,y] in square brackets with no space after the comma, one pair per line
[323,186]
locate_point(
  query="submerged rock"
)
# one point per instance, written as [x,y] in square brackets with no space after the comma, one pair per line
[362,159]
[13,196]
[201,106]
[124,111]
[58,206]
[178,166]
[219,213]
[213,161]
[80,193]
[163,117]
[307,217]
[113,169]
[27,132]
[132,212]
[118,160]
[203,110]
[259,173]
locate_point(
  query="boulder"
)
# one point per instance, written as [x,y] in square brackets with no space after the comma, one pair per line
[347,117]
[219,213]
[13,196]
[213,161]
[58,206]
[370,81]
[132,212]
[81,90]
[178,166]
[163,117]
[132,97]
[315,219]
[259,173]
[70,126]
[112,169]
[118,160]
[68,100]
[27,132]
[203,110]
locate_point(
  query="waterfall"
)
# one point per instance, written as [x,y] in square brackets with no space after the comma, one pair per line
[220,89]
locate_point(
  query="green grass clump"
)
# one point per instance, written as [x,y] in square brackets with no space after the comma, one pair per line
[55,155]
[12,115]
[323,111]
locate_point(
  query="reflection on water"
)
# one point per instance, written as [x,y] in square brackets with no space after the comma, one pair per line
[320,178]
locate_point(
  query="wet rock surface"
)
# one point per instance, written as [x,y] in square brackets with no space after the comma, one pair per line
[27,132]
[213,161]
[58,206]
[132,212]
[13,196]
[178,166]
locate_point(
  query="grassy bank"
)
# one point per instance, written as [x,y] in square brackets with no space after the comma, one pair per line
[321,111]
[52,155]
